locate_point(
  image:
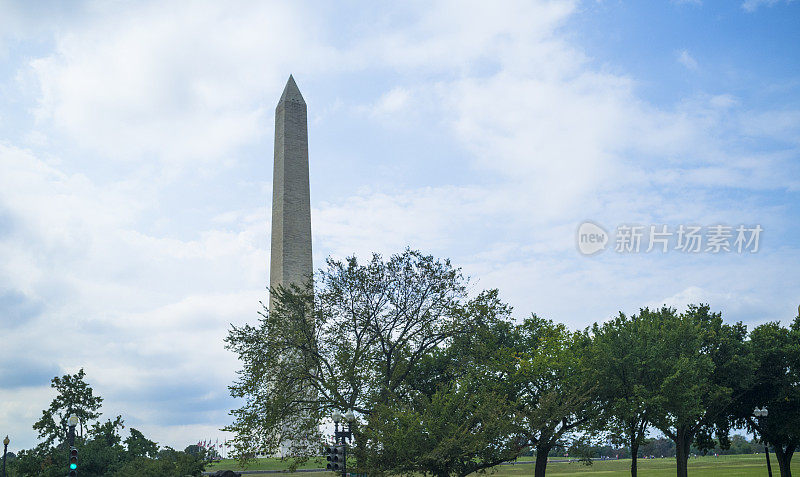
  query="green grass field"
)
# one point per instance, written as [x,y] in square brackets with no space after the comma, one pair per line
[734,466]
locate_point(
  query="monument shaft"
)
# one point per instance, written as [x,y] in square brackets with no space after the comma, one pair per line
[290,261]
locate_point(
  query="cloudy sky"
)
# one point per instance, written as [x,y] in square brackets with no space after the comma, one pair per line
[136,170]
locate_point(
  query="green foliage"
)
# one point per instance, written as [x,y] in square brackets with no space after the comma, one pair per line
[352,344]
[100,450]
[102,454]
[169,463]
[139,446]
[457,431]
[627,367]
[776,387]
[456,415]
[74,396]
[555,392]
[445,385]
[704,370]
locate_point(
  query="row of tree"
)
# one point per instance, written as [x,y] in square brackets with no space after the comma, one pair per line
[660,448]
[101,449]
[444,384]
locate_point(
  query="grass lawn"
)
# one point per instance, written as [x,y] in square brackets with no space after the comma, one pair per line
[734,466]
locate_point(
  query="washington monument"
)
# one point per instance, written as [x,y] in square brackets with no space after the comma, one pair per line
[290,261]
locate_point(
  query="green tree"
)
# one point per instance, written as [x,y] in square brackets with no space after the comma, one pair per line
[459,416]
[195,449]
[706,369]
[140,446]
[170,463]
[627,367]
[555,393]
[102,453]
[776,386]
[74,396]
[458,431]
[100,449]
[351,344]
[41,461]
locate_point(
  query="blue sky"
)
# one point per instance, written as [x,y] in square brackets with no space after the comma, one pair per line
[136,170]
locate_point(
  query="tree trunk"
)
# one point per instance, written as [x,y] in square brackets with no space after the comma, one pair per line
[634,457]
[541,461]
[682,443]
[784,458]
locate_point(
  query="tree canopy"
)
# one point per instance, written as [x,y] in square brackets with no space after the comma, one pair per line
[443,381]
[352,343]
[75,396]
[102,451]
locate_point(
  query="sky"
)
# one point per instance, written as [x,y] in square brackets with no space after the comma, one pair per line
[136,171]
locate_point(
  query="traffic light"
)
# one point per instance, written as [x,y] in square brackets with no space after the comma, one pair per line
[335,457]
[73,462]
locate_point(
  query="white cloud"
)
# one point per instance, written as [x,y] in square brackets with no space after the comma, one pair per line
[550,140]
[753,5]
[393,101]
[686,60]
[157,81]
[127,302]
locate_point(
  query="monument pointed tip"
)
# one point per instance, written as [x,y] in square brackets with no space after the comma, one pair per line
[291,93]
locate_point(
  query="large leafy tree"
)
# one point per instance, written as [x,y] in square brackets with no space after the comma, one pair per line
[627,368]
[776,387]
[74,396]
[459,430]
[555,394]
[459,416]
[352,343]
[705,369]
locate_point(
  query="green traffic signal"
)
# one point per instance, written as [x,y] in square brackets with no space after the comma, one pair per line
[73,460]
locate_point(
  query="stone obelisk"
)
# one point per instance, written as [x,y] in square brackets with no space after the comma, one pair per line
[290,261]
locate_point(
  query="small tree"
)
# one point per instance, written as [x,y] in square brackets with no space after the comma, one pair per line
[140,446]
[74,396]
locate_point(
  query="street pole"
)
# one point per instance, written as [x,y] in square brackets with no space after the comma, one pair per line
[71,422]
[344,435]
[349,417]
[5,451]
[769,467]
[759,413]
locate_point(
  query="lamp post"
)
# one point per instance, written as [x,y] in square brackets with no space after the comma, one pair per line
[72,457]
[5,451]
[345,434]
[759,413]
[72,422]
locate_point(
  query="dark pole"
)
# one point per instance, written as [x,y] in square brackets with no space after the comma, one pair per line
[769,467]
[71,444]
[5,451]
[344,452]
